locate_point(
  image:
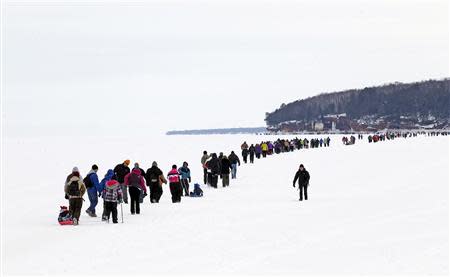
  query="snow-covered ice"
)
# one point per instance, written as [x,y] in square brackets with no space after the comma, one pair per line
[374,209]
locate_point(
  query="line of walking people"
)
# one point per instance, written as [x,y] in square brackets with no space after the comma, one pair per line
[267,148]
[122,181]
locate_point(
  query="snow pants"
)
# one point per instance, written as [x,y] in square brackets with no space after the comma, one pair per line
[135,194]
[205,176]
[303,190]
[214,180]
[111,207]
[93,198]
[155,192]
[252,158]
[176,191]
[75,205]
[185,186]
[225,180]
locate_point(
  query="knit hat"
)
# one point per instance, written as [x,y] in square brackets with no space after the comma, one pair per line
[94,167]
[75,169]
[136,165]
[127,162]
[154,164]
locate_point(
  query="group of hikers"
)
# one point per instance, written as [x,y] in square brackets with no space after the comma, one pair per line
[267,148]
[390,136]
[349,141]
[219,166]
[121,181]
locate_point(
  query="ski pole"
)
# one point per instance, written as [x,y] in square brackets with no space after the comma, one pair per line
[121,211]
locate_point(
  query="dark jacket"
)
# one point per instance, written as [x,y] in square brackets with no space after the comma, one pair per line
[152,175]
[121,171]
[214,165]
[251,150]
[303,178]
[225,166]
[234,159]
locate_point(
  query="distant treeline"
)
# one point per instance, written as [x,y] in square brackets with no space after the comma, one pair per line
[427,98]
[219,131]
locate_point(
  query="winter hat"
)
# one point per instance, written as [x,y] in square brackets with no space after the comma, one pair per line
[185,163]
[174,166]
[75,169]
[127,162]
[301,165]
[136,165]
[154,164]
[94,167]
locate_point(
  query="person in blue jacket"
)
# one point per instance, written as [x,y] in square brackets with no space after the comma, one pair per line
[91,183]
[101,187]
[108,176]
[185,173]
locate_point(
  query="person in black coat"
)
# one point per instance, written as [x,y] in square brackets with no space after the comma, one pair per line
[225,171]
[244,154]
[155,178]
[121,170]
[214,166]
[302,176]
[251,152]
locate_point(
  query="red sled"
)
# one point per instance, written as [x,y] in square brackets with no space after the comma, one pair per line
[64,217]
[66,222]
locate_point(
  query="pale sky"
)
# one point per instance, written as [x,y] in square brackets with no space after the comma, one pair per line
[145,67]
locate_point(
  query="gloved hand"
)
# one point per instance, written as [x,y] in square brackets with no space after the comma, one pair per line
[293,185]
[190,180]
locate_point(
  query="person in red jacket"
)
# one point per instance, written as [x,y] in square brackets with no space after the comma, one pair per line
[175,185]
[135,183]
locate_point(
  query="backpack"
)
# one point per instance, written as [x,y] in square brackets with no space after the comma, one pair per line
[74,189]
[154,177]
[111,194]
[134,180]
[87,181]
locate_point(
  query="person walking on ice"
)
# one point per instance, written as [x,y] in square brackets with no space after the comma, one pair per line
[175,185]
[185,174]
[75,190]
[302,176]
[122,170]
[112,194]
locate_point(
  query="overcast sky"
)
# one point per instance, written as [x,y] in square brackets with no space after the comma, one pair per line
[134,67]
